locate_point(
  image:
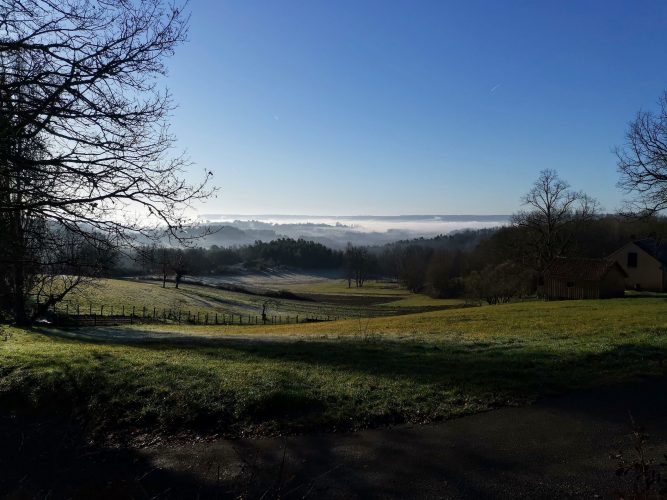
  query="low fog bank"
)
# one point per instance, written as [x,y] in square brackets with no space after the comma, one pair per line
[336,232]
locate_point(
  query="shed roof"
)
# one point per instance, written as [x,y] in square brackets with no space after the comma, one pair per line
[582,269]
[654,248]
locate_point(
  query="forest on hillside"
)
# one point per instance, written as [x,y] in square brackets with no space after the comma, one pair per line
[451,265]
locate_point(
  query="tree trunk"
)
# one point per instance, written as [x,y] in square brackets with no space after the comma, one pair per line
[20,315]
[19,299]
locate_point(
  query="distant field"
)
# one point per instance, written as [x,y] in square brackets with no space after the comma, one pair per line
[323,299]
[339,287]
[312,283]
[338,375]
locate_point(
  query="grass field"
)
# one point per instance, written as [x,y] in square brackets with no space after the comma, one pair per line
[339,287]
[340,375]
[330,298]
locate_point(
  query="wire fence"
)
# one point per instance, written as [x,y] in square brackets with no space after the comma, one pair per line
[105,315]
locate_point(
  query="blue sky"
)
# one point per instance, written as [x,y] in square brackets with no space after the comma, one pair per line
[410,107]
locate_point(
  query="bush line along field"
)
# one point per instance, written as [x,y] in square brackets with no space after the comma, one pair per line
[341,375]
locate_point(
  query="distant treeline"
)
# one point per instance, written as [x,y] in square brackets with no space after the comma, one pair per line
[485,264]
[504,262]
[178,262]
[284,252]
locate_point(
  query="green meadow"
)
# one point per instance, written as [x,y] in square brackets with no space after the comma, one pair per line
[339,375]
[326,299]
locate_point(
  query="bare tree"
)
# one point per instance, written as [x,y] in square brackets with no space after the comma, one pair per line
[84,142]
[81,76]
[642,162]
[163,264]
[41,263]
[358,265]
[67,261]
[265,307]
[147,257]
[552,215]
[414,267]
[180,266]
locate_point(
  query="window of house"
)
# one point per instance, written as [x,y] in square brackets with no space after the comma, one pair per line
[570,284]
[632,259]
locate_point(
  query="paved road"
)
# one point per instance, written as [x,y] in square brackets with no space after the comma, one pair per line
[557,448]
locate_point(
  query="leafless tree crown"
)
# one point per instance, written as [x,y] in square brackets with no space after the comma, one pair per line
[642,162]
[83,78]
[552,209]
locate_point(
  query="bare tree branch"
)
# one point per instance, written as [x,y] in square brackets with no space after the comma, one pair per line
[553,212]
[86,155]
[642,162]
[83,78]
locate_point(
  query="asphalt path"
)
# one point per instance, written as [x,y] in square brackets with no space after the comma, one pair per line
[560,447]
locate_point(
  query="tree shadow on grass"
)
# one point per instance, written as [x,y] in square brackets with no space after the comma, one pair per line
[449,373]
[51,457]
[486,366]
[506,371]
[42,458]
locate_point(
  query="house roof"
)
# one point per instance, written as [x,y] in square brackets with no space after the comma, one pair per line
[582,269]
[654,248]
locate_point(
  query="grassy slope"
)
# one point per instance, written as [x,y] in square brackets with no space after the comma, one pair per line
[116,294]
[339,287]
[340,375]
[395,295]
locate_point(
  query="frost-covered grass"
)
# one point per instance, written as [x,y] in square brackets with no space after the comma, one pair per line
[345,374]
